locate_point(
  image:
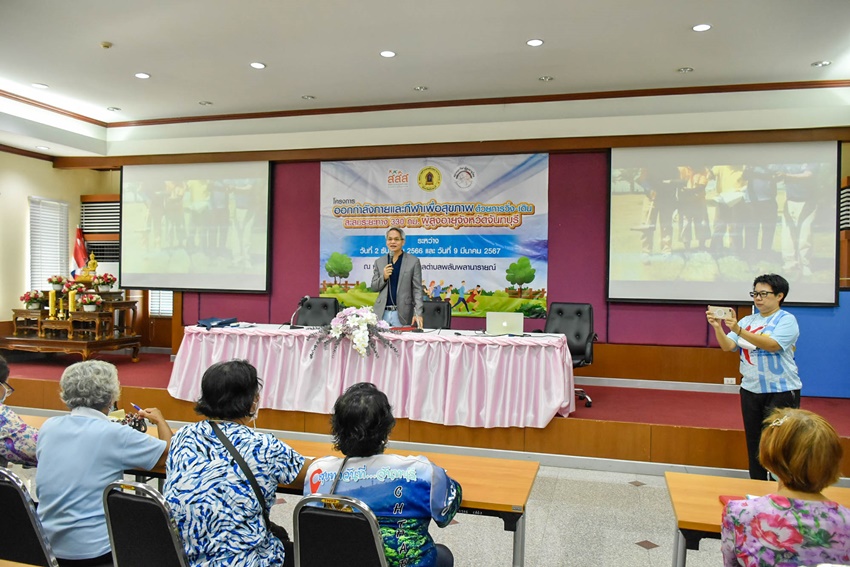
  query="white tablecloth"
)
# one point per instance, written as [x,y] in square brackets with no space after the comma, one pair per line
[447,377]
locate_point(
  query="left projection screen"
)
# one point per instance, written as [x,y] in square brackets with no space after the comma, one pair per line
[195,227]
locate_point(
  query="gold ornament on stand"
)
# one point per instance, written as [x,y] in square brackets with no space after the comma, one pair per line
[89,272]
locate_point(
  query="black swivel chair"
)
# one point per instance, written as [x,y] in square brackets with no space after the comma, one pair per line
[317,311]
[141,530]
[22,538]
[437,315]
[345,533]
[575,320]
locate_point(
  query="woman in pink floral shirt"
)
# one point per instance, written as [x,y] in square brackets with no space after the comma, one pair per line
[797,524]
[17,439]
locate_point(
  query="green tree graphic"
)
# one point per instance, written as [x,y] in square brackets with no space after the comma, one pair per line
[520,272]
[339,266]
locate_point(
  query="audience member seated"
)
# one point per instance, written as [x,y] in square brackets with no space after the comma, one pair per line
[217,512]
[17,439]
[80,453]
[796,525]
[405,493]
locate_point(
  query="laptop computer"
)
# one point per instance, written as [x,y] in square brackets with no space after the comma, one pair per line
[500,323]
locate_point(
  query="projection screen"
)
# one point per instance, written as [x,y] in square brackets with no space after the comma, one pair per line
[195,227]
[699,223]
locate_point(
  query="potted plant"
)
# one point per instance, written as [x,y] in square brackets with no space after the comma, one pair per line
[33,299]
[57,282]
[90,301]
[104,282]
[73,286]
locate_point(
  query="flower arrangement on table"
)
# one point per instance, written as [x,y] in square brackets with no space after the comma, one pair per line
[57,280]
[104,280]
[90,299]
[360,326]
[73,286]
[33,296]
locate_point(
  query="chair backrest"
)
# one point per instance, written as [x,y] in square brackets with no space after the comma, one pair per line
[22,538]
[141,530]
[437,315]
[575,320]
[317,311]
[345,533]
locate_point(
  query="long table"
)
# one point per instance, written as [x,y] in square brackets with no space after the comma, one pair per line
[696,503]
[491,487]
[446,377]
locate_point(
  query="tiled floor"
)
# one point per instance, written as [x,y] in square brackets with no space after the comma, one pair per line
[575,517]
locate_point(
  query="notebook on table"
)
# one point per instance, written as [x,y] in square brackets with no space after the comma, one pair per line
[499,323]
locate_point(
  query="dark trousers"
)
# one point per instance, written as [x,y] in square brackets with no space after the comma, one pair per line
[102,561]
[444,556]
[754,409]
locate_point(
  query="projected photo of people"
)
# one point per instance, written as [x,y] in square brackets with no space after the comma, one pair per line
[693,223]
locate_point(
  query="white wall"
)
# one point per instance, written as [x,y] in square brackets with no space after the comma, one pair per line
[20,178]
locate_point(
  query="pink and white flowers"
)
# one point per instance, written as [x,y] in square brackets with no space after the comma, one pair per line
[360,325]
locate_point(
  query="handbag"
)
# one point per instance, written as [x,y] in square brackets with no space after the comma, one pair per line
[276,530]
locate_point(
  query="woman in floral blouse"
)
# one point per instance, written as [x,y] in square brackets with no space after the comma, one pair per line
[797,524]
[17,439]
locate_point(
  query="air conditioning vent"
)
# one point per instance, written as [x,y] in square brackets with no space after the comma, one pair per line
[105,251]
[103,218]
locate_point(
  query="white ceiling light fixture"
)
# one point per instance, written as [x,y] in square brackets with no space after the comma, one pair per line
[308,97]
[113,109]
[205,103]
[143,75]
[701,27]
[258,65]
[821,63]
[40,86]
[420,88]
[545,78]
[388,54]
[42,148]
[685,70]
[534,42]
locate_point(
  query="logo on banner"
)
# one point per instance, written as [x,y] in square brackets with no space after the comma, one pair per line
[464,177]
[397,179]
[429,178]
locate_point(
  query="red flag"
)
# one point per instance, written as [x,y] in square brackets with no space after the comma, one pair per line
[80,258]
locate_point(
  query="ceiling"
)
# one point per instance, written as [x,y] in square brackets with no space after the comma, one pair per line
[200,50]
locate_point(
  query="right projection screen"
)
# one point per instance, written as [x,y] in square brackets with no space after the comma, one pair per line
[699,223]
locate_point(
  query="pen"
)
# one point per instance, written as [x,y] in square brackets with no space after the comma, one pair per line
[135,406]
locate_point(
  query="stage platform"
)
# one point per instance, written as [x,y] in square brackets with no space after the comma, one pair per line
[84,347]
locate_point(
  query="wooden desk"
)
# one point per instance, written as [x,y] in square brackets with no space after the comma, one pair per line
[696,504]
[491,487]
[26,320]
[103,321]
[125,315]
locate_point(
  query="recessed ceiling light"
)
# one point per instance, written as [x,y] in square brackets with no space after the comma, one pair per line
[821,63]
[258,65]
[685,70]
[205,103]
[420,88]
[143,76]
[42,148]
[534,42]
[40,86]
[701,27]
[387,53]
[545,78]
[308,97]
[113,109]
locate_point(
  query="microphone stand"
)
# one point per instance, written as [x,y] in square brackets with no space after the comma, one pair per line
[294,313]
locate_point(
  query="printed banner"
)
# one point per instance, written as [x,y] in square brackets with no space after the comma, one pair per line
[479,226]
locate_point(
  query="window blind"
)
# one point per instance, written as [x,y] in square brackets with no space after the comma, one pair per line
[49,242]
[160,303]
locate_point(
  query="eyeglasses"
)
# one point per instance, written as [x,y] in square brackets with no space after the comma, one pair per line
[395,239]
[9,389]
[762,294]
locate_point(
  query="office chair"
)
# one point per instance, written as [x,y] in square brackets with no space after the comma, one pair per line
[345,534]
[23,539]
[437,315]
[141,531]
[575,320]
[317,311]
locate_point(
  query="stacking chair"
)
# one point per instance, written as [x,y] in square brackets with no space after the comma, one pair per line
[22,538]
[141,530]
[575,320]
[317,311]
[345,534]
[437,315]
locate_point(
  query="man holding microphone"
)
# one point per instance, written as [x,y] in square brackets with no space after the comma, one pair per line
[397,278]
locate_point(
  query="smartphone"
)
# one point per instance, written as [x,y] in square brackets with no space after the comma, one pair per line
[721,312]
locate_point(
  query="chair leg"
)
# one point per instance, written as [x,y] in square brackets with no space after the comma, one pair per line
[582,395]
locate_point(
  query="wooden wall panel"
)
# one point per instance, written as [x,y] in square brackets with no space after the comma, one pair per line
[5,328]
[171,408]
[591,438]
[507,438]
[649,362]
[281,420]
[723,448]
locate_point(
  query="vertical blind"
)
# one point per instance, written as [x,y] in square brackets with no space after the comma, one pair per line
[49,242]
[160,303]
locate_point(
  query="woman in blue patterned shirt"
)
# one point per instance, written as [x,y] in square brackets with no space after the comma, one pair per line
[217,512]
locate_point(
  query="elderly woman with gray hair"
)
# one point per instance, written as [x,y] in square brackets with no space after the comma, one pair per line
[80,453]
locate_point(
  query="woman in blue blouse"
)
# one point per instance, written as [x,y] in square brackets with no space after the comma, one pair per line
[217,512]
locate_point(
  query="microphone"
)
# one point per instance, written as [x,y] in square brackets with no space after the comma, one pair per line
[390,259]
[301,303]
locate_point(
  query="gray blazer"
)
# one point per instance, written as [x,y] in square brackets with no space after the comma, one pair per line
[409,298]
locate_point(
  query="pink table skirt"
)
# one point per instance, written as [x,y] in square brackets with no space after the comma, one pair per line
[446,378]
